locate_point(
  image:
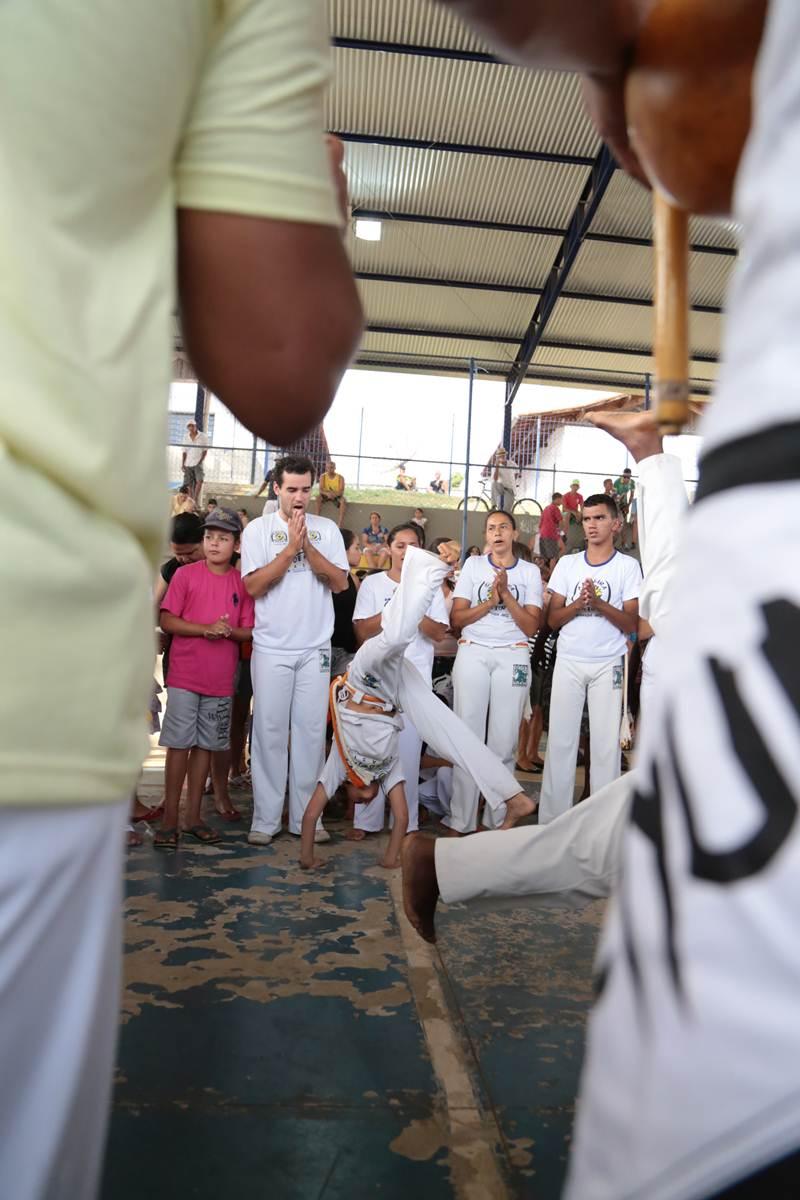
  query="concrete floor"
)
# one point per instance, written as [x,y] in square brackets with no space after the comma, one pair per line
[288,1037]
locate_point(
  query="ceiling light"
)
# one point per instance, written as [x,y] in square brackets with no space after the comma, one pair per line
[368,231]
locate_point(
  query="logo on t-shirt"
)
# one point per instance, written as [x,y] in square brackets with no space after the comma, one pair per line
[324,660]
[486,592]
[279,536]
[314,535]
[519,676]
[602,590]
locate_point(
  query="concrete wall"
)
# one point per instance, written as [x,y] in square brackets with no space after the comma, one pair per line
[442,522]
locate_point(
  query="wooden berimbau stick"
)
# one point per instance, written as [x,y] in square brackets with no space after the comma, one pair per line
[671,305]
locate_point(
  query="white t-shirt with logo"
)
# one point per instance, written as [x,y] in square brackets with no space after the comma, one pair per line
[590,635]
[296,613]
[375,593]
[475,583]
[198,447]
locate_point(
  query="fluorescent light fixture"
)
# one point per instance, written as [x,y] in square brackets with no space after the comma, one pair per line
[368,231]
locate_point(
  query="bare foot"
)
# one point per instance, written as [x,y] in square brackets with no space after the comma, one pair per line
[355,835]
[420,886]
[638,431]
[518,806]
[391,864]
[312,864]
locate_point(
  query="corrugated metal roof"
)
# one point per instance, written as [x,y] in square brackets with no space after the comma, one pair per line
[624,325]
[486,256]
[628,271]
[444,100]
[418,22]
[462,185]
[456,309]
[627,209]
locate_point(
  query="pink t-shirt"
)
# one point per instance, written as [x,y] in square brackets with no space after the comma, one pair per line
[196,594]
[550,524]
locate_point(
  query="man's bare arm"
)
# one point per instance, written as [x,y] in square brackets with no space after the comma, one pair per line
[332,576]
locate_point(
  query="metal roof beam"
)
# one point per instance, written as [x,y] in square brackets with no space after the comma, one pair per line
[593,191]
[475,56]
[614,239]
[552,344]
[542,372]
[514,289]
[374,139]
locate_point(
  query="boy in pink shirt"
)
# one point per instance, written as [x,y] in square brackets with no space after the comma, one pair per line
[208,612]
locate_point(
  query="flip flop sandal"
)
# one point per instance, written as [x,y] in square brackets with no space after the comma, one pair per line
[155,814]
[203,833]
[166,839]
[230,814]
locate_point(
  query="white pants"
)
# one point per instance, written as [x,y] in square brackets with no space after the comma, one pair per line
[60,942]
[369,817]
[493,681]
[436,791]
[290,693]
[572,860]
[574,682]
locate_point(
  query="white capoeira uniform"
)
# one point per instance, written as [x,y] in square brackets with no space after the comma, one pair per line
[374,594]
[697,1019]
[381,669]
[576,857]
[291,669]
[491,677]
[589,669]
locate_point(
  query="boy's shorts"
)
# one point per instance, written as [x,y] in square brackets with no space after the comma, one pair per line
[195,720]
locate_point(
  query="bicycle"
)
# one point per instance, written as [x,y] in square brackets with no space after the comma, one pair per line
[527,513]
[481,503]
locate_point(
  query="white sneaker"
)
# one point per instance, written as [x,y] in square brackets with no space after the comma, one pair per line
[256,838]
[321,835]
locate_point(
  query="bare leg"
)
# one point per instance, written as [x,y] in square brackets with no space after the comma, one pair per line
[534,738]
[523,762]
[585,745]
[220,769]
[240,711]
[198,773]
[318,503]
[174,775]
[420,886]
[342,510]
[316,806]
[399,807]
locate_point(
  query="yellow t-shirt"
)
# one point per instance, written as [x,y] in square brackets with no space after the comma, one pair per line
[330,483]
[114,113]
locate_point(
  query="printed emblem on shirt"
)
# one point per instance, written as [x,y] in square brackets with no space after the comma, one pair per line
[602,590]
[324,660]
[486,592]
[519,675]
[616,678]
[371,680]
[314,535]
[279,536]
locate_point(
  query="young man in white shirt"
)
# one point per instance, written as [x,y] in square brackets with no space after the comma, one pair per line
[497,606]
[374,594]
[291,563]
[193,459]
[595,605]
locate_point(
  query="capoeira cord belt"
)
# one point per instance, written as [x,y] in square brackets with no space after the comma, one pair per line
[771,456]
[363,764]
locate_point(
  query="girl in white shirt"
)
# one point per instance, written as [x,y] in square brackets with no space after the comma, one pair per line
[496,609]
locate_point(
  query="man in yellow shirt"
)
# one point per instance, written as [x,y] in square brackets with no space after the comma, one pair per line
[150,154]
[331,490]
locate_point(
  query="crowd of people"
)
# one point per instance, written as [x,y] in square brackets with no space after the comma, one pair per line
[258,617]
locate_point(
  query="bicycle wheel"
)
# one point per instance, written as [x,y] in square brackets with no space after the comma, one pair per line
[527,513]
[473,504]
[528,507]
